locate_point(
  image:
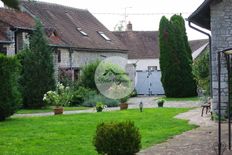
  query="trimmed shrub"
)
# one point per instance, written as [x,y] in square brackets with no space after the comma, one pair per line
[121,138]
[9,92]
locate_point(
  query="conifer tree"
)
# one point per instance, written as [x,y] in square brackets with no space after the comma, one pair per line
[169,62]
[11,3]
[180,20]
[38,69]
[176,71]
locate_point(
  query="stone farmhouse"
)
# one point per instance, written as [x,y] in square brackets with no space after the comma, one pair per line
[76,36]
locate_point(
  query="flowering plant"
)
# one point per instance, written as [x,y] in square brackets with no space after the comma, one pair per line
[60,97]
[160,102]
[100,106]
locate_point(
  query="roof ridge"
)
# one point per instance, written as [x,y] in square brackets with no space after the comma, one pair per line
[135,31]
[52,4]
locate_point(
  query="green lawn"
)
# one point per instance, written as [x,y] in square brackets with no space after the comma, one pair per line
[179,99]
[48,109]
[72,134]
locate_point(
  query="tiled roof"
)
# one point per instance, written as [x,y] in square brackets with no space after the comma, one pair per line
[141,44]
[21,20]
[16,19]
[145,44]
[67,20]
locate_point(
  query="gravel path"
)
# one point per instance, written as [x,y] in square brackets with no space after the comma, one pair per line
[148,102]
[200,141]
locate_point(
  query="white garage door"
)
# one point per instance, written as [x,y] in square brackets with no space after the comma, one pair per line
[149,83]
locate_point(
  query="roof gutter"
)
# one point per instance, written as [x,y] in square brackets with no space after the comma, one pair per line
[89,49]
[210,54]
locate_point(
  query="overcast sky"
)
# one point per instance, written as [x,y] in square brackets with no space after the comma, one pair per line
[143,14]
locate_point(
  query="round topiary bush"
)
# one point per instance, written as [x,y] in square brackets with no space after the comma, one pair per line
[121,138]
[9,93]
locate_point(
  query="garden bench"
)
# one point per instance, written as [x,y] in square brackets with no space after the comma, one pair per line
[206,107]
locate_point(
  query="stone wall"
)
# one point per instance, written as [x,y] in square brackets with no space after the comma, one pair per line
[81,58]
[221,29]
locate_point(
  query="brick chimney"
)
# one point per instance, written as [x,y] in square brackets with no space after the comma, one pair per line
[129,26]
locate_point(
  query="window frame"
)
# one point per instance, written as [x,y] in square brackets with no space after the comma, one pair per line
[82,32]
[103,35]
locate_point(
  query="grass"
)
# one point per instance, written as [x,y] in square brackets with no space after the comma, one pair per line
[72,134]
[48,109]
[180,99]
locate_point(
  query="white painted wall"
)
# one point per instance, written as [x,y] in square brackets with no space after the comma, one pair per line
[80,59]
[142,64]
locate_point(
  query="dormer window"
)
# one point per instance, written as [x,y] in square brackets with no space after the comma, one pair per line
[54,34]
[81,31]
[104,35]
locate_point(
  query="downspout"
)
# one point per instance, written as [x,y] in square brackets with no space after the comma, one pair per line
[15,30]
[71,63]
[210,55]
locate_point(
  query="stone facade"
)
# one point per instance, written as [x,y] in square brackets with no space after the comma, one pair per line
[221,30]
[77,59]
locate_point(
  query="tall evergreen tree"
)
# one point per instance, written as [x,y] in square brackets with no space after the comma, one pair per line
[177,78]
[169,62]
[181,22]
[10,97]
[38,69]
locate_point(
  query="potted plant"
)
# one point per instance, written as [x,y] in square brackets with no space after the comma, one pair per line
[160,102]
[99,106]
[59,98]
[124,105]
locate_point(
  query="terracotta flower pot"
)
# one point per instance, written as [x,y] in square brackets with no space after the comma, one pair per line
[123,106]
[58,110]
